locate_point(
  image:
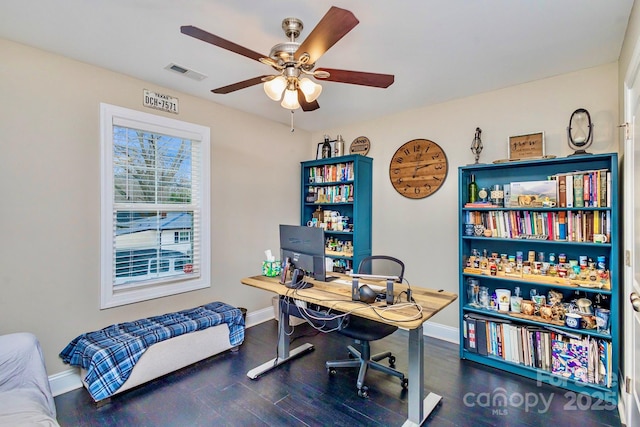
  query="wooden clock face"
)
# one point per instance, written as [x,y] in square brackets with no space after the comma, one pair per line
[418,168]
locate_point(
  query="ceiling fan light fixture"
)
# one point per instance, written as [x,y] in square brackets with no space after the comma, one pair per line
[275,87]
[310,89]
[290,100]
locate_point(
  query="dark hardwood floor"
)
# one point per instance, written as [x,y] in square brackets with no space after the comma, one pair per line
[217,392]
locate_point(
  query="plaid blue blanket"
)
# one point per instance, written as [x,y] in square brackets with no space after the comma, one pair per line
[109,354]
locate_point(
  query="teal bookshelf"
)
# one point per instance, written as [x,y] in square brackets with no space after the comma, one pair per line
[340,187]
[536,344]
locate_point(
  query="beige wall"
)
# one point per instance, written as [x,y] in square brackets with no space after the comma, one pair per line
[49,175]
[423,233]
[50,209]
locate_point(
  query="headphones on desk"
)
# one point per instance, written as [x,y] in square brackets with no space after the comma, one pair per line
[367,294]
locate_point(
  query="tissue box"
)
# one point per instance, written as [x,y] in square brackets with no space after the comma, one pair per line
[271,268]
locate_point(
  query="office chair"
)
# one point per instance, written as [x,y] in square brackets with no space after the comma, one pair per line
[363,331]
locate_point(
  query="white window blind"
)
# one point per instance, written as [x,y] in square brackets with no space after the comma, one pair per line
[155,184]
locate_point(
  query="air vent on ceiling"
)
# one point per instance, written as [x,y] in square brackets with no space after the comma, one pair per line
[185,72]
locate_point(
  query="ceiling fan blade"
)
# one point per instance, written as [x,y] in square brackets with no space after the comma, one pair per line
[306,106]
[358,77]
[331,28]
[197,33]
[240,85]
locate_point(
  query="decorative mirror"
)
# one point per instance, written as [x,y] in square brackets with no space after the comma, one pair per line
[580,131]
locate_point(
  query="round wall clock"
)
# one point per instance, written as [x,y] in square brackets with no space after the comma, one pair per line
[418,168]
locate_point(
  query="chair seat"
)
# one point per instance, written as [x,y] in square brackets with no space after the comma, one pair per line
[367,330]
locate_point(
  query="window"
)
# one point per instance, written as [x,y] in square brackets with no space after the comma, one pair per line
[155,206]
[182,236]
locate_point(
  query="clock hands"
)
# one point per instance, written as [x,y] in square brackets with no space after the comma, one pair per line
[438,166]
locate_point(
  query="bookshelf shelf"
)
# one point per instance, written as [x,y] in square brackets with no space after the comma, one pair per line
[527,344]
[535,320]
[342,188]
[537,283]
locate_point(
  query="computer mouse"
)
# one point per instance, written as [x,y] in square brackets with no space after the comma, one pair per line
[367,294]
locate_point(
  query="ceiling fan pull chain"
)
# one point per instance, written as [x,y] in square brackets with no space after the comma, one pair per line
[292,128]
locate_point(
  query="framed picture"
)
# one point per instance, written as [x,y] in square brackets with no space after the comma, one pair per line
[526,146]
[319,149]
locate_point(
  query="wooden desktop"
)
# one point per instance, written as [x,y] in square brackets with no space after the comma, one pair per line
[338,297]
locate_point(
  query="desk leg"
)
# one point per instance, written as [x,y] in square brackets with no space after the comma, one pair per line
[419,406]
[284,353]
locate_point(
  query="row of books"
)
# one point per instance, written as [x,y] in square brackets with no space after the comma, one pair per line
[584,189]
[572,356]
[333,193]
[571,226]
[339,172]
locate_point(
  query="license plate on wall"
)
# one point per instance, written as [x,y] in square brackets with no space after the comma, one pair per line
[159,101]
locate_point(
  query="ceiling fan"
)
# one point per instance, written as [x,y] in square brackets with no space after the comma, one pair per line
[294,61]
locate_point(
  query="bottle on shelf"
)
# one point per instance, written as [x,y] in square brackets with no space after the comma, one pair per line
[326,148]
[339,147]
[473,189]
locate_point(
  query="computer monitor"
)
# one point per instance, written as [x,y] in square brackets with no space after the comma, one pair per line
[304,246]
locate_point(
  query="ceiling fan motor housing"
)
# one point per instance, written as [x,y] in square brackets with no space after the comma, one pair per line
[292,27]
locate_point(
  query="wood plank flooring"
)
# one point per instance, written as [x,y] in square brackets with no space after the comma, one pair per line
[217,392]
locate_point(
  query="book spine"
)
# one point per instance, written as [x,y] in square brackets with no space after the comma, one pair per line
[578,191]
[562,191]
[569,190]
[586,189]
[562,225]
[608,198]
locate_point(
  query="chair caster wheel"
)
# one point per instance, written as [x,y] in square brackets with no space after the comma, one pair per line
[405,383]
[331,371]
[392,361]
[351,356]
[363,392]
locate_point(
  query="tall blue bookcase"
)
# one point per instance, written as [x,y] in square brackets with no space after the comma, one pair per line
[541,344]
[340,185]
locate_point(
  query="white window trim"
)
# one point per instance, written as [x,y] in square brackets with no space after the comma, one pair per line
[113,298]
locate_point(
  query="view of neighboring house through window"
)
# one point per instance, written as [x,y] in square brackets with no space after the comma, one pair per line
[155,219]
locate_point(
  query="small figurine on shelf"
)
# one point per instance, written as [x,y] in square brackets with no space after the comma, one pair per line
[476,145]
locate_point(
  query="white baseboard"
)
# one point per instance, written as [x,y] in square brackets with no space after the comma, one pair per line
[441,332]
[65,381]
[259,316]
[69,380]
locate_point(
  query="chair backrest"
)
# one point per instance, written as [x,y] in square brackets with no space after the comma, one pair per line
[383,265]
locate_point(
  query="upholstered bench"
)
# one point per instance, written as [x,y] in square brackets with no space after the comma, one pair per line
[125,355]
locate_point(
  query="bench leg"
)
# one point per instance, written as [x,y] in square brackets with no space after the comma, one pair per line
[103,402]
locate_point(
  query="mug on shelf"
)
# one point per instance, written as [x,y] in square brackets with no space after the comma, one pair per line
[600,238]
[602,319]
[468,229]
[516,304]
[504,296]
[573,320]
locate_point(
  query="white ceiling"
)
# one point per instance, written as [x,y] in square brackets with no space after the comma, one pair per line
[437,49]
